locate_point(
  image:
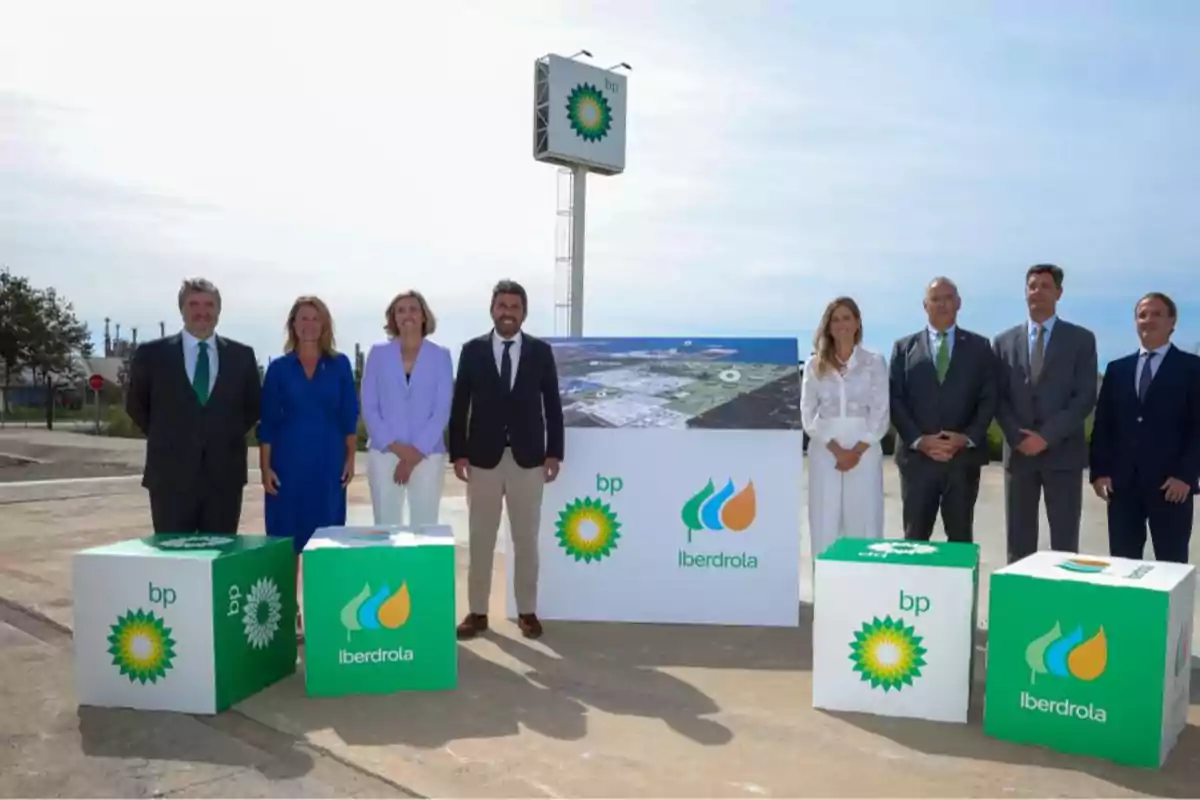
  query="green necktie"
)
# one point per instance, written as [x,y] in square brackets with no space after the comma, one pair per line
[943,357]
[200,379]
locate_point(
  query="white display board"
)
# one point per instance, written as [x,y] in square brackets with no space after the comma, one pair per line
[670,518]
[893,628]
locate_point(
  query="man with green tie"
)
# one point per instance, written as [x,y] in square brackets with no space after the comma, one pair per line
[195,396]
[943,398]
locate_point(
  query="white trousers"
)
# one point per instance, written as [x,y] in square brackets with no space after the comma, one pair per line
[844,503]
[423,490]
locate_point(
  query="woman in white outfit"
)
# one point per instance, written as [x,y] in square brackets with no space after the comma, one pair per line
[844,410]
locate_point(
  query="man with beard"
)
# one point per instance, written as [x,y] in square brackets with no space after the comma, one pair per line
[506,442]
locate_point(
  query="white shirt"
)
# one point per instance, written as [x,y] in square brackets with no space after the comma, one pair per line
[191,352]
[1031,329]
[514,353]
[860,393]
[1159,354]
[933,335]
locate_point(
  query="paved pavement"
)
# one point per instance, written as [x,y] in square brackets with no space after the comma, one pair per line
[589,710]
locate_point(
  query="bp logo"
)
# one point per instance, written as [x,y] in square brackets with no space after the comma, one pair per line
[887,653]
[193,542]
[588,113]
[141,646]
[587,529]
[712,510]
[1084,565]
[902,548]
[382,609]
[262,614]
[1063,656]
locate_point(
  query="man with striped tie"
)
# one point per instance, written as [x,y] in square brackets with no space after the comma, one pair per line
[195,396]
[943,397]
[1047,388]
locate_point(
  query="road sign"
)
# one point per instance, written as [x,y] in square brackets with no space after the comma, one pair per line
[95,383]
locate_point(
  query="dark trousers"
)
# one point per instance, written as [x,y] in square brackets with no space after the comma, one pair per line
[1170,525]
[204,509]
[927,486]
[1023,492]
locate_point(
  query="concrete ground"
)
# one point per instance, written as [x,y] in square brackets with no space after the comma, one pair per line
[589,710]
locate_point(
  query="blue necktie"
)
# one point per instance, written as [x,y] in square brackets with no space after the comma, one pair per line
[1144,378]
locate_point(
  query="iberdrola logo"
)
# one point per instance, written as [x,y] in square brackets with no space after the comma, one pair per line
[715,511]
[588,112]
[887,653]
[587,529]
[383,609]
[1062,656]
[1087,566]
[193,542]
[141,647]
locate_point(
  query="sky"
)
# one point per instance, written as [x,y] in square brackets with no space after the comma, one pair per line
[779,154]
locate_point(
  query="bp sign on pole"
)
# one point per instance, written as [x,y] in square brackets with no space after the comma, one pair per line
[1090,655]
[682,478]
[893,628]
[579,115]
[379,610]
[183,622]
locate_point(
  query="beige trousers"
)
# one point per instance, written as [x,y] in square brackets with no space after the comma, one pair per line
[521,491]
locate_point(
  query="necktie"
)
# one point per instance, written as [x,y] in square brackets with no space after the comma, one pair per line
[943,357]
[506,367]
[200,378]
[1039,354]
[1144,378]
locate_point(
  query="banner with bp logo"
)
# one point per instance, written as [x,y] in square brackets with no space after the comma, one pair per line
[379,611]
[183,623]
[683,477]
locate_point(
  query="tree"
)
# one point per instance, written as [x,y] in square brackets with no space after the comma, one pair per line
[19,307]
[57,342]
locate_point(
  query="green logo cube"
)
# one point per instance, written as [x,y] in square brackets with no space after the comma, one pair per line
[1084,655]
[379,611]
[183,623]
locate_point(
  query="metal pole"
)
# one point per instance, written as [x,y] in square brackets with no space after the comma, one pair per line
[578,212]
[97,393]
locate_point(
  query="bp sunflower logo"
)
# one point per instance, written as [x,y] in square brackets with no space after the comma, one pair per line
[141,646]
[887,654]
[589,113]
[587,529]
[264,610]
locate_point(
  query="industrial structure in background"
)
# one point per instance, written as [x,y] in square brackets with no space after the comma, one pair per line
[579,125]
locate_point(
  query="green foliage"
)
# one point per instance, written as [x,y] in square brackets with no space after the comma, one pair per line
[40,332]
[117,423]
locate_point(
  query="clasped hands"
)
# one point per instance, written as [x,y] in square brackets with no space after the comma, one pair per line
[409,458]
[943,445]
[847,458]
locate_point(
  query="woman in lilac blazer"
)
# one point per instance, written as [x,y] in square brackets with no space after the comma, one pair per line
[407,385]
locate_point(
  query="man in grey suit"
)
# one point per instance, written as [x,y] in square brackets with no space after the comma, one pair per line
[1048,384]
[943,398]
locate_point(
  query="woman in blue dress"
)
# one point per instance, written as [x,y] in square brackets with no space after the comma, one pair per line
[308,432]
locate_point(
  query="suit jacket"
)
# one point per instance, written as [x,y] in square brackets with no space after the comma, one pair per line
[1141,444]
[965,402]
[189,445]
[486,416]
[1058,406]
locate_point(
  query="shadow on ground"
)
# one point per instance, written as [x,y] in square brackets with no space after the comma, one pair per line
[1179,776]
[168,736]
[549,686]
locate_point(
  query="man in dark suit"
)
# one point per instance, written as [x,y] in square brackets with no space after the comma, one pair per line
[1047,380]
[942,400]
[195,396]
[1145,451]
[506,442]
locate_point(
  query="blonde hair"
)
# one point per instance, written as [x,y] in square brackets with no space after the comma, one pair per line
[824,352]
[325,342]
[427,327]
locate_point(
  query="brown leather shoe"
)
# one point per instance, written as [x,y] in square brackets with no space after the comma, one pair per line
[472,625]
[531,627]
